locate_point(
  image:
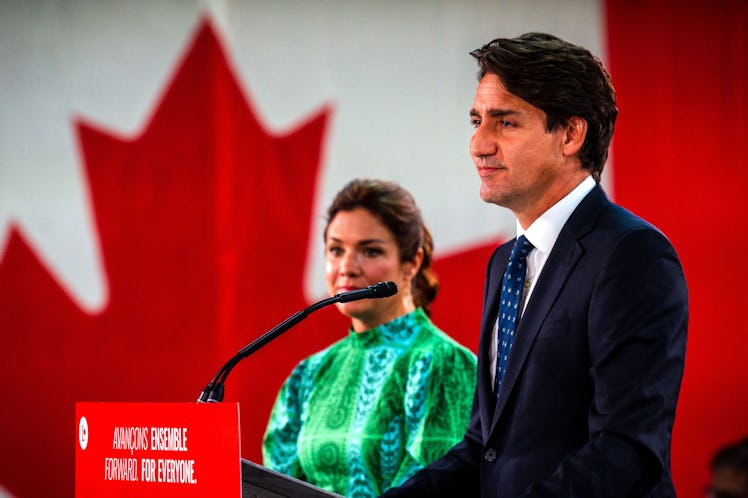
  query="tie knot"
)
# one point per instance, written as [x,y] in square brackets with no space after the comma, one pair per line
[521,248]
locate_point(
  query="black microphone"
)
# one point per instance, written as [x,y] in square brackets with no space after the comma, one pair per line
[381,289]
[213,392]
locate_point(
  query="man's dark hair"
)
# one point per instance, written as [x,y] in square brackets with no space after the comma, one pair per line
[733,456]
[561,79]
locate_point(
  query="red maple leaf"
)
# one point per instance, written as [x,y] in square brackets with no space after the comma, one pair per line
[204,222]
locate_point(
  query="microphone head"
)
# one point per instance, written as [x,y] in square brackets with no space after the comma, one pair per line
[383,289]
[374,291]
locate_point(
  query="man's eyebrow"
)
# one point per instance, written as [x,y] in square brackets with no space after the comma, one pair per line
[496,113]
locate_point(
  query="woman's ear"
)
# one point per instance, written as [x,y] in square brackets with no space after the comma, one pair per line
[411,267]
[575,133]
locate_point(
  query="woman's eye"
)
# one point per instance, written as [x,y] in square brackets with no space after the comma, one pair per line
[371,251]
[335,251]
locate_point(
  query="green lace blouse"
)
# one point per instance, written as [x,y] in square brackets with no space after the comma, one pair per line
[366,413]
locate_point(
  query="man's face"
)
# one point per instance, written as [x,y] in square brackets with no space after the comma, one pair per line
[521,165]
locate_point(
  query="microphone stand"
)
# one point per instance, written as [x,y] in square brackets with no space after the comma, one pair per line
[213,392]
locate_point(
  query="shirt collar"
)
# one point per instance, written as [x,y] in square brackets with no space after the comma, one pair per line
[544,231]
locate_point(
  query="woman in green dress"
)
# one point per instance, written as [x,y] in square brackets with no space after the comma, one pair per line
[367,412]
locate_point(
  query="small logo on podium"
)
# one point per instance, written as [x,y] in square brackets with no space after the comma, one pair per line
[83,433]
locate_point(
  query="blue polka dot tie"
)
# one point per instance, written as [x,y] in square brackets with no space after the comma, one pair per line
[509,308]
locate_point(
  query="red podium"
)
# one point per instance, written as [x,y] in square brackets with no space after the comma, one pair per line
[157,449]
[171,450]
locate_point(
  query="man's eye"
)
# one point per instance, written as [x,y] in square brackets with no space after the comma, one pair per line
[474,122]
[507,124]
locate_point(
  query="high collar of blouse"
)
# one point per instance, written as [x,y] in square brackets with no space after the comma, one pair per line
[399,332]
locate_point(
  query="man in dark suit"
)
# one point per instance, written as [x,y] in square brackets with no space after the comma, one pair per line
[576,394]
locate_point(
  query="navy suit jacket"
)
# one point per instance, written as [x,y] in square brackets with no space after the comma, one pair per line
[588,399]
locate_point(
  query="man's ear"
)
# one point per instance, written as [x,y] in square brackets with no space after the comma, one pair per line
[575,133]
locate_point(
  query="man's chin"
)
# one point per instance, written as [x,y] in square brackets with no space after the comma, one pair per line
[490,195]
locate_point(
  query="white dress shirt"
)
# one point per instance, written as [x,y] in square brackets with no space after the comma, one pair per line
[542,234]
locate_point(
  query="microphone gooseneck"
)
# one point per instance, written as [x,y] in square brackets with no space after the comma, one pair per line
[213,392]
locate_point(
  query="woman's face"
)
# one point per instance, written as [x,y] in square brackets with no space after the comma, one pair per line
[361,251]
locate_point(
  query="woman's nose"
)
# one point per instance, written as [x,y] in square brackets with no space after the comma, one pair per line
[349,264]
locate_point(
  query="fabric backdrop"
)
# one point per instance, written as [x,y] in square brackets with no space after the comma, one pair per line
[164,168]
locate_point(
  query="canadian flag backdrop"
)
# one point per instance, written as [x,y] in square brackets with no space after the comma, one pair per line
[164,168]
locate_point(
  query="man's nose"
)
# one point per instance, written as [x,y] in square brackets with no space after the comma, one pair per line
[482,143]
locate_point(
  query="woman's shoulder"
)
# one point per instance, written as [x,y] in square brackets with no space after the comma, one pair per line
[434,341]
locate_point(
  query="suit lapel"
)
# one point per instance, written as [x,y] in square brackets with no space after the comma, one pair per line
[561,262]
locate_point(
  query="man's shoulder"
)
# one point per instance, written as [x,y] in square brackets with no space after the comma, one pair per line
[605,227]
[622,236]
[617,216]
[605,215]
